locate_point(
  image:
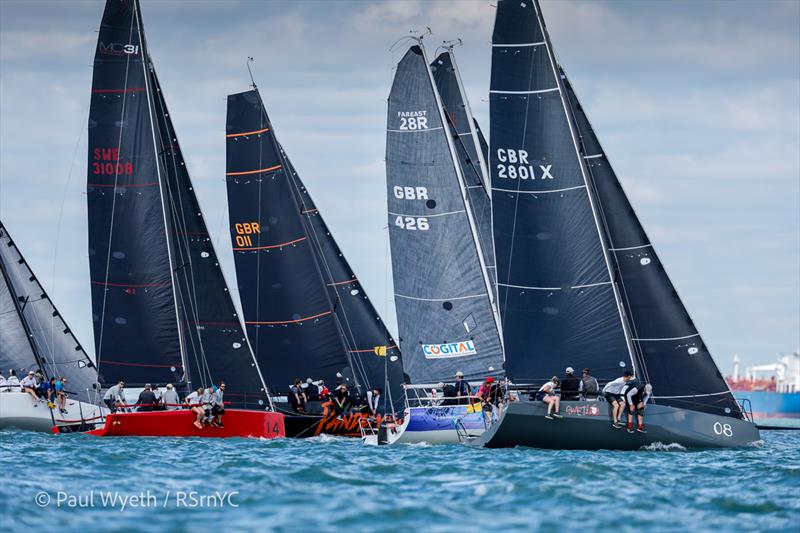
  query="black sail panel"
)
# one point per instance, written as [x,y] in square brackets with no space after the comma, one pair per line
[359,321]
[444,310]
[672,355]
[216,346]
[467,139]
[556,297]
[26,309]
[133,304]
[288,313]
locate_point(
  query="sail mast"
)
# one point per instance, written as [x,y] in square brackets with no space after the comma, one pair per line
[589,190]
[467,207]
[146,62]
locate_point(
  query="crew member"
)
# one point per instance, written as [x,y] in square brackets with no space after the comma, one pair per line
[12,383]
[570,385]
[341,400]
[589,386]
[147,399]
[29,385]
[298,397]
[61,395]
[171,398]
[636,395]
[115,396]
[463,389]
[547,394]
[613,393]
[219,405]
[193,400]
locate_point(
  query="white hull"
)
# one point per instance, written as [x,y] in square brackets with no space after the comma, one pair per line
[414,432]
[18,411]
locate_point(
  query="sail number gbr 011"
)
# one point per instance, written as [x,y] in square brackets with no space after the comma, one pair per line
[514,164]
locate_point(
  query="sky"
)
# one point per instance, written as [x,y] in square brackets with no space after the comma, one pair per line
[696,103]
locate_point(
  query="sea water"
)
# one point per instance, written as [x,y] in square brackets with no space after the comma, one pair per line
[84,483]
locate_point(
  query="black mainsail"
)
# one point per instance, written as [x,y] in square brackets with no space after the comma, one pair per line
[307,314]
[443,292]
[161,308]
[33,334]
[556,292]
[579,281]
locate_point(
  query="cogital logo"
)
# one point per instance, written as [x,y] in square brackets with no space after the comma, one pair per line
[117,49]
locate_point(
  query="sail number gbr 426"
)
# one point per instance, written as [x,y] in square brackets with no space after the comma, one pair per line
[411,223]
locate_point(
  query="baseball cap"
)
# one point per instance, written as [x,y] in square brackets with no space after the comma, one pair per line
[570,370]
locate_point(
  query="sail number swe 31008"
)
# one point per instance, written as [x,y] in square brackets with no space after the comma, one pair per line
[514,164]
[106,163]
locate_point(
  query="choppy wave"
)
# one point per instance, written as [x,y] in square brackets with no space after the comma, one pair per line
[329,483]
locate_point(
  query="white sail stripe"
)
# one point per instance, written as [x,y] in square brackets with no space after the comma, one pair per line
[517,45]
[667,338]
[553,288]
[415,131]
[554,89]
[424,215]
[593,156]
[631,248]
[693,395]
[441,299]
[474,186]
[540,192]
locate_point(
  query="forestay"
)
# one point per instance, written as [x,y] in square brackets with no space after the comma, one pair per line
[442,291]
[306,312]
[557,300]
[33,334]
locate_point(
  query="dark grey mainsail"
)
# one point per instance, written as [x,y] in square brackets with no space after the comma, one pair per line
[442,290]
[471,154]
[33,334]
[556,293]
[671,354]
[161,306]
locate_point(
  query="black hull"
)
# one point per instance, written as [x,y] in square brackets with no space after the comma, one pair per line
[587,426]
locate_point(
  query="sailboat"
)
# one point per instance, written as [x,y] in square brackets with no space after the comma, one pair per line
[442,257]
[579,282]
[161,308]
[307,315]
[34,337]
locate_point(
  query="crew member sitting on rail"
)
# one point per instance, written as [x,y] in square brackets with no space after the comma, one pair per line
[570,385]
[159,402]
[613,393]
[547,394]
[12,383]
[193,401]
[589,386]
[61,395]
[219,405]
[29,385]
[297,397]
[636,395]
[42,387]
[115,395]
[147,399]
[463,389]
[207,403]
[171,398]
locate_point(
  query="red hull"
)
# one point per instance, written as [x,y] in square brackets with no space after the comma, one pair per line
[238,423]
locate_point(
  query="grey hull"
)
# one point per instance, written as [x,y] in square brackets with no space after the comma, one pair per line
[587,426]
